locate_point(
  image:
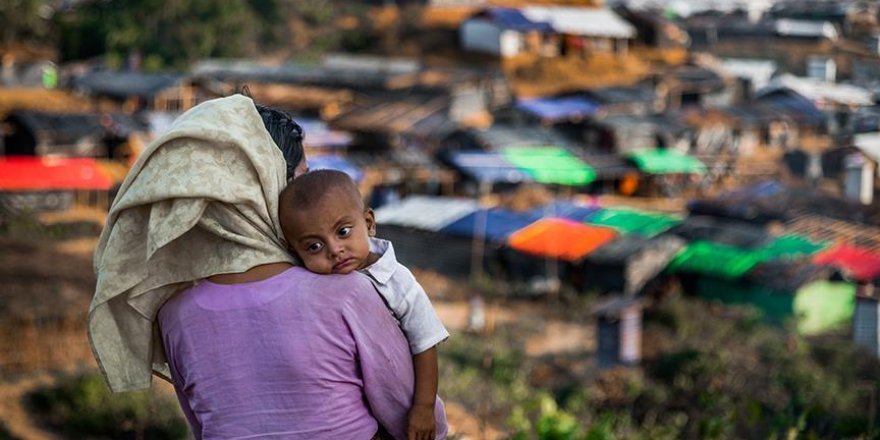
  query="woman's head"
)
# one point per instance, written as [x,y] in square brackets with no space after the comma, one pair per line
[288,135]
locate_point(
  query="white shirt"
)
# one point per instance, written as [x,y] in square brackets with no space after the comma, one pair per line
[406,298]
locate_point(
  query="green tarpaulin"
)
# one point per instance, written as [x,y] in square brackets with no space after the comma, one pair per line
[665,161]
[630,221]
[705,257]
[550,165]
[817,307]
[791,246]
[824,305]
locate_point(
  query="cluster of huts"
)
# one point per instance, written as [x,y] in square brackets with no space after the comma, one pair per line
[785,91]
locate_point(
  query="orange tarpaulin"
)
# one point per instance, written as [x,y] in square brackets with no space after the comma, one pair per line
[47,174]
[560,238]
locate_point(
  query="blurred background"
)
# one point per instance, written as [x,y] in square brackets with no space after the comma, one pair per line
[639,219]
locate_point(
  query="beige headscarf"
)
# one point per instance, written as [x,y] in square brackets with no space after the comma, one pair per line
[200,200]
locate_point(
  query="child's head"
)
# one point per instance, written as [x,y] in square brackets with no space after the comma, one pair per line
[325,222]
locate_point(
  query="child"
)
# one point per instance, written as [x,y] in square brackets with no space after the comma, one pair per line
[326,224]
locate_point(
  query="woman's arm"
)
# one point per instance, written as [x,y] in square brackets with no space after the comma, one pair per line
[385,363]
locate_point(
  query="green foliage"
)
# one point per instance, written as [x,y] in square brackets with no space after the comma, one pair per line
[721,374]
[5,434]
[177,33]
[24,21]
[82,406]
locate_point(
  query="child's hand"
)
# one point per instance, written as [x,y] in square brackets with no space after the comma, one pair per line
[421,425]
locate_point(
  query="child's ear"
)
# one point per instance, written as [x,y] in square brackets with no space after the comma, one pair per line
[370,218]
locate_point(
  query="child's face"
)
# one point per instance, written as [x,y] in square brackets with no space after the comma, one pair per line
[332,236]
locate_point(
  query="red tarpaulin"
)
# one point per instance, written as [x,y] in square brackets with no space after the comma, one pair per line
[560,238]
[47,174]
[859,263]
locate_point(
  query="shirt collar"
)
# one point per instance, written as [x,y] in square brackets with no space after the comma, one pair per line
[385,266]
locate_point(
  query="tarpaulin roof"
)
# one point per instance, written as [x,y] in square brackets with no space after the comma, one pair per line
[791,245]
[728,232]
[591,22]
[801,109]
[334,162]
[709,258]
[550,165]
[43,174]
[318,135]
[562,209]
[487,167]
[666,161]
[560,238]
[868,143]
[630,221]
[555,109]
[125,84]
[501,136]
[511,18]
[494,224]
[426,213]
[861,264]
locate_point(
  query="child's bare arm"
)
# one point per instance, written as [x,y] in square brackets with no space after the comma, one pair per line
[422,425]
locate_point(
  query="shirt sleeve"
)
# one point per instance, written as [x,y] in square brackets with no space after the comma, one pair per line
[411,305]
[385,364]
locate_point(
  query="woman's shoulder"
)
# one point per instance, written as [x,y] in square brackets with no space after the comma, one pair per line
[338,287]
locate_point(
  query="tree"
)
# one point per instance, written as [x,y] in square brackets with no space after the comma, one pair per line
[24,21]
[177,31]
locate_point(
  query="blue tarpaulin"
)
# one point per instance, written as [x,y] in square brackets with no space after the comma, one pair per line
[498,224]
[554,109]
[487,167]
[571,211]
[333,162]
[318,135]
[796,106]
[513,19]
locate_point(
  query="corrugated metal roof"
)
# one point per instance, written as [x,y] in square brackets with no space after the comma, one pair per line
[487,167]
[820,91]
[124,84]
[591,22]
[426,213]
[500,136]
[868,143]
[757,71]
[806,28]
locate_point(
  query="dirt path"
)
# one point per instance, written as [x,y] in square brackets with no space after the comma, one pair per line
[12,409]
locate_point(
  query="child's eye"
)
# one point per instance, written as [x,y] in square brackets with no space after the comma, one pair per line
[344,231]
[314,247]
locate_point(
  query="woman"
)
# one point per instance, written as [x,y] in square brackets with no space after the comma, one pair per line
[258,348]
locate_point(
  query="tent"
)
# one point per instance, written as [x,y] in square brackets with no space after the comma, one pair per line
[558,109]
[425,213]
[553,165]
[493,224]
[560,238]
[487,167]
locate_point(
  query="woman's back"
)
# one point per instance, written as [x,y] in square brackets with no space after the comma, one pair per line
[281,356]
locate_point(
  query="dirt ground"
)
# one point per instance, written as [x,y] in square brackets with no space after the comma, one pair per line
[47,288]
